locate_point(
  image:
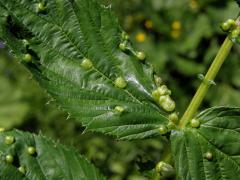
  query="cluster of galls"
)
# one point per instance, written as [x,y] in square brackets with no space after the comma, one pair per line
[162,95]
[233,28]
[120,82]
[125,47]
[9,158]
[27,58]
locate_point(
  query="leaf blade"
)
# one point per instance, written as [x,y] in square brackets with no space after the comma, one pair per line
[219,135]
[50,161]
[61,38]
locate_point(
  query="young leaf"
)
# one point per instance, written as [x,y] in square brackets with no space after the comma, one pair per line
[31,156]
[211,151]
[72,48]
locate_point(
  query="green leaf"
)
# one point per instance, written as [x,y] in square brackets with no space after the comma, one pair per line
[76,56]
[218,135]
[50,160]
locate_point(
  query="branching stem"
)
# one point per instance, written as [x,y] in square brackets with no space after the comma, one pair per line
[203,88]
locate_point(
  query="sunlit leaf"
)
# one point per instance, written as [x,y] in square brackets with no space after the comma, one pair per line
[74,51]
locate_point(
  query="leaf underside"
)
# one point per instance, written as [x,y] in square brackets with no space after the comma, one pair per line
[59,39]
[218,134]
[51,160]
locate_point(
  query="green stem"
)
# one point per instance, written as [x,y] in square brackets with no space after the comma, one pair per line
[210,76]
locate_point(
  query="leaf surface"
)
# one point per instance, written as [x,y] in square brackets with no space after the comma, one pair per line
[219,135]
[59,39]
[51,160]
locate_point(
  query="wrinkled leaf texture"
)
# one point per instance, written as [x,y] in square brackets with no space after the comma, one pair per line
[59,39]
[218,134]
[51,161]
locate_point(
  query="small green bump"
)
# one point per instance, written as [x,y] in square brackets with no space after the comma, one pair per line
[164,168]
[2,129]
[163,99]
[9,159]
[235,33]
[125,36]
[167,103]
[173,117]
[163,129]
[120,83]
[119,109]
[41,7]
[225,26]
[231,22]
[195,123]
[9,140]
[27,58]
[159,166]
[158,80]
[31,150]
[25,42]
[208,155]
[123,46]
[156,95]
[141,56]
[171,126]
[163,90]
[87,64]
[22,169]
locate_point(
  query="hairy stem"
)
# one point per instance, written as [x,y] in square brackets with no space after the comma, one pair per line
[210,76]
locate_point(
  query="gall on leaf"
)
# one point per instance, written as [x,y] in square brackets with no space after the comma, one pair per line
[9,140]
[31,150]
[114,72]
[22,169]
[9,159]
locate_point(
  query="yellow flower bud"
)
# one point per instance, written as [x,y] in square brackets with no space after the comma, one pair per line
[148,24]
[176,25]
[141,37]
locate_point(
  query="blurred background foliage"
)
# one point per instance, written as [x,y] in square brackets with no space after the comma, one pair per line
[180,38]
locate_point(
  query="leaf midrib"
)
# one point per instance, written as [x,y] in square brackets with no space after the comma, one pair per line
[217,149]
[73,44]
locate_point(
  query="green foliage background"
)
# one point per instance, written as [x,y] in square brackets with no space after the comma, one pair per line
[180,39]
